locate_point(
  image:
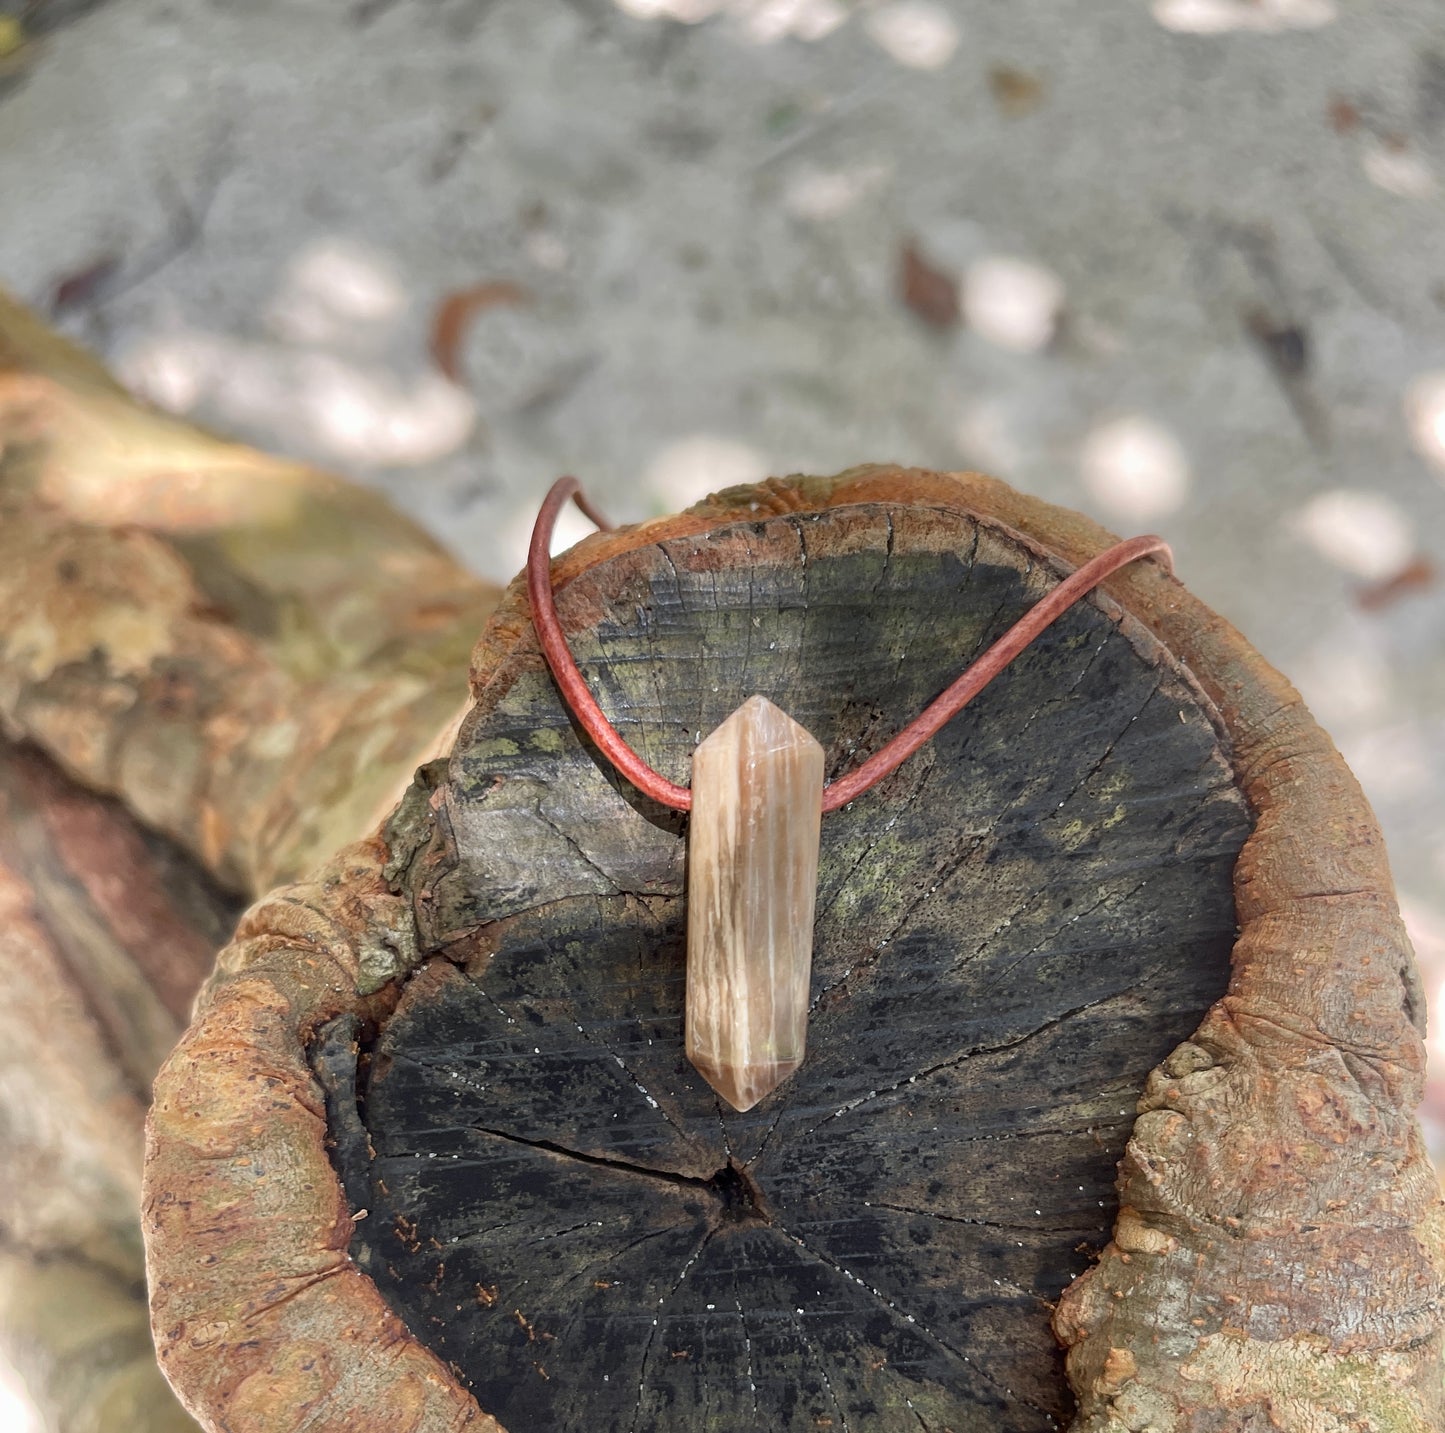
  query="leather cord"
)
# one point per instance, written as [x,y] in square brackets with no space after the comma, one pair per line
[974,678]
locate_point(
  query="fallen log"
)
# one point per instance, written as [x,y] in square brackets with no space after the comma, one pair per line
[430,1155]
[253,655]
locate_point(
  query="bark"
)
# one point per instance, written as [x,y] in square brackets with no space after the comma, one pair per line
[251,654]
[252,657]
[105,934]
[1276,1256]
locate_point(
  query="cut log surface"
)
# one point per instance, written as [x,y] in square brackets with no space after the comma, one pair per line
[1012,931]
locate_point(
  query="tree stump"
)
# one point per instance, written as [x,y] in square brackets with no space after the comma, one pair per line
[431,1146]
[1010,935]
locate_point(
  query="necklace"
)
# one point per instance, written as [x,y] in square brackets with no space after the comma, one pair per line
[756,802]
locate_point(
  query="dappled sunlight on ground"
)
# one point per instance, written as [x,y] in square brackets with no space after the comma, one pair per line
[762,20]
[823,194]
[1012,302]
[919,34]
[1135,468]
[327,408]
[1425,413]
[325,378]
[1183,273]
[1398,169]
[1216,17]
[916,33]
[336,290]
[687,470]
[1363,532]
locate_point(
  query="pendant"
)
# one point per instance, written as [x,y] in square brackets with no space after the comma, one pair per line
[752,883]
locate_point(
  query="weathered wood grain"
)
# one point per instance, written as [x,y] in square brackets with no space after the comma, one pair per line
[1012,932]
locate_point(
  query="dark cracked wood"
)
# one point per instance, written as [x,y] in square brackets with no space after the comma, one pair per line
[1012,931]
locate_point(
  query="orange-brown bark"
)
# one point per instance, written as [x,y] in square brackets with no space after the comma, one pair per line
[252,654]
[264,1318]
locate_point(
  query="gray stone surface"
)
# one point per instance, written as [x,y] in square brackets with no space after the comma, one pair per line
[1202,245]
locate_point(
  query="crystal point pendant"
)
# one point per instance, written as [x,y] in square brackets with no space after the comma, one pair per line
[752,851]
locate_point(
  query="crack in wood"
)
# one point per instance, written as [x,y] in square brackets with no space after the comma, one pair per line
[728,1186]
[748,1346]
[913,1322]
[268,1306]
[919,1076]
[657,1321]
[821,1363]
[1003,1225]
[595,1269]
[575,847]
[1108,751]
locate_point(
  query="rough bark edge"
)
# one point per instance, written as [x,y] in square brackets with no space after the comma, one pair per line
[103,941]
[257,1308]
[1288,1268]
[252,653]
[261,1320]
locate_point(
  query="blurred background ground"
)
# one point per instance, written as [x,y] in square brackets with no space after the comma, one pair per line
[1179,264]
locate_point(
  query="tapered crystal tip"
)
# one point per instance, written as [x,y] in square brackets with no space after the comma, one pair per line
[757,803]
[742,1086]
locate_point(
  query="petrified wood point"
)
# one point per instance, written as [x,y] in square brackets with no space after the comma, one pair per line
[752,884]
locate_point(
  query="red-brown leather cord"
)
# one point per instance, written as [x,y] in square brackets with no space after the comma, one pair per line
[927,724]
